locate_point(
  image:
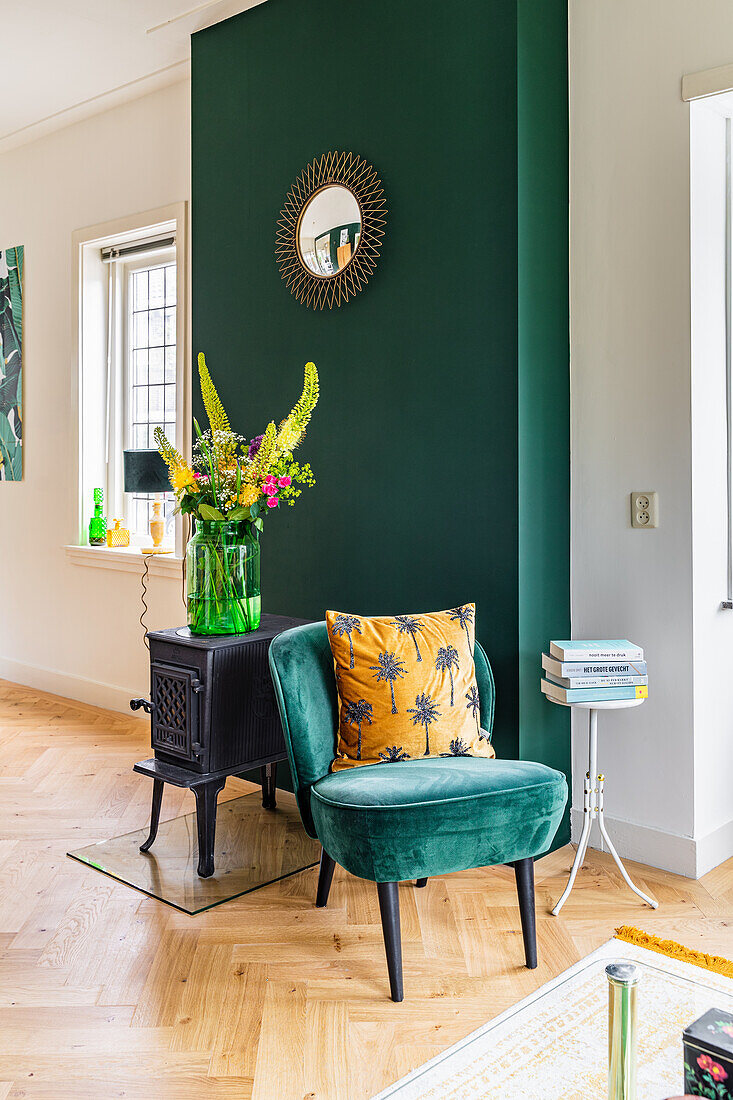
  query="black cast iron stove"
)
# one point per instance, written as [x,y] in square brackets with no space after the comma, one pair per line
[212,714]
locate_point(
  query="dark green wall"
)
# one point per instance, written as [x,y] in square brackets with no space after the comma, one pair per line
[544,375]
[415,443]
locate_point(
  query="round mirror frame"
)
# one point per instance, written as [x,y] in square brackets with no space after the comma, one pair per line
[345,170]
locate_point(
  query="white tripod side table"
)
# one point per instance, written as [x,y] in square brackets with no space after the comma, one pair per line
[593,798]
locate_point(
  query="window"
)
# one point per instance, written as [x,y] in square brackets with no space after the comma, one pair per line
[132,375]
[150,373]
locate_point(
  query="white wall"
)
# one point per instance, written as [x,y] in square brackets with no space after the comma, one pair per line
[63,627]
[667,763]
[713,626]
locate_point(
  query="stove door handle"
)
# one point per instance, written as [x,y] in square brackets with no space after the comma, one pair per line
[197,686]
[147,706]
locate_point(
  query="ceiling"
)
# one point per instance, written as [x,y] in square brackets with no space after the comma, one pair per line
[66,59]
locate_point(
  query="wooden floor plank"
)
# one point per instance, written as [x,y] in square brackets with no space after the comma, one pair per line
[281,1049]
[239,1022]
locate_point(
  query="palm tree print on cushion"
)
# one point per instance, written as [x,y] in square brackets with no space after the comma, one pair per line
[344,624]
[444,662]
[393,755]
[408,624]
[390,668]
[458,747]
[355,714]
[424,713]
[414,672]
[463,615]
[474,705]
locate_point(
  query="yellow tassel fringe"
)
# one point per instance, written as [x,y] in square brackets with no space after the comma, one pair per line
[674,950]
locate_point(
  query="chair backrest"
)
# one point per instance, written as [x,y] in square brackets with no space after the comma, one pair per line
[305,687]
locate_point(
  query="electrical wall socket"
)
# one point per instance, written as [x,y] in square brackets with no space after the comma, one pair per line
[644,509]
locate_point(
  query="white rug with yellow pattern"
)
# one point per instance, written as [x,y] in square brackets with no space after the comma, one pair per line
[553,1045]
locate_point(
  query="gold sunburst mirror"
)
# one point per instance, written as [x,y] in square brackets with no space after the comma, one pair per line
[329,233]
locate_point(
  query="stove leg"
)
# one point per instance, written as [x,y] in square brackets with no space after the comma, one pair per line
[154,814]
[268,778]
[206,795]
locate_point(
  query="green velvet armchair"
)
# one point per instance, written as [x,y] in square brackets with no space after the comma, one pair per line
[415,819]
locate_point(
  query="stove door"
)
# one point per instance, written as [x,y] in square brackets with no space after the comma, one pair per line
[175,717]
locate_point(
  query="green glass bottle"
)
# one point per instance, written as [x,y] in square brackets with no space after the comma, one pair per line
[98,524]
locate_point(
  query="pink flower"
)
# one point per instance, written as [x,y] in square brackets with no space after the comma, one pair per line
[272,502]
[284,482]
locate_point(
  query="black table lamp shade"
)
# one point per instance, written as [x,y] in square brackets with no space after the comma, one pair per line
[145,472]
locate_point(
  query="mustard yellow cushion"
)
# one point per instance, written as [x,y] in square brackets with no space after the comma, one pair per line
[407,687]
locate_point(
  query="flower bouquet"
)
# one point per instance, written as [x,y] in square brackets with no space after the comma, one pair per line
[231,484]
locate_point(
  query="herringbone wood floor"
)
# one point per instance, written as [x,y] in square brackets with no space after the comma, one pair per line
[106,993]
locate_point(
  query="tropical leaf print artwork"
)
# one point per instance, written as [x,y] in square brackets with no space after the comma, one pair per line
[393,755]
[458,747]
[424,713]
[463,615]
[355,714]
[389,669]
[408,624]
[344,624]
[445,661]
[474,705]
[11,363]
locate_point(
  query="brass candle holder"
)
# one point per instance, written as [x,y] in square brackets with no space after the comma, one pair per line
[623,978]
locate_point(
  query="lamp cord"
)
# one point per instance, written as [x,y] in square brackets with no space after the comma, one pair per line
[143,594]
[144,581]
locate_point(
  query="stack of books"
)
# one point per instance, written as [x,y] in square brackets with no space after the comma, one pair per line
[597,671]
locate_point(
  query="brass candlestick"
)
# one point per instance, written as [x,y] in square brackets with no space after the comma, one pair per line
[623,979]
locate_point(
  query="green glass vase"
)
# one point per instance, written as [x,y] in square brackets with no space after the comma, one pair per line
[97,523]
[223,577]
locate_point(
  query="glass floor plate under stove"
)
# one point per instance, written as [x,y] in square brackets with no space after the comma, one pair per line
[554,1045]
[253,847]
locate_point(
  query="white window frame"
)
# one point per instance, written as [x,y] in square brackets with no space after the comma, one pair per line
[90,400]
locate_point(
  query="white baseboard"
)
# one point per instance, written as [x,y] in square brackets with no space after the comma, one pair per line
[714,848]
[667,851]
[683,855]
[94,692]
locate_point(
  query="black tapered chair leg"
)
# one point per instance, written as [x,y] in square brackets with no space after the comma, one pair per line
[389,907]
[154,814]
[268,780]
[421,882]
[325,877]
[524,872]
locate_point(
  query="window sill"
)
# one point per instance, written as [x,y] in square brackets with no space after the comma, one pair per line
[128,560]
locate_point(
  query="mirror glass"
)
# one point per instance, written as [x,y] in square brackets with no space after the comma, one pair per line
[329,230]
